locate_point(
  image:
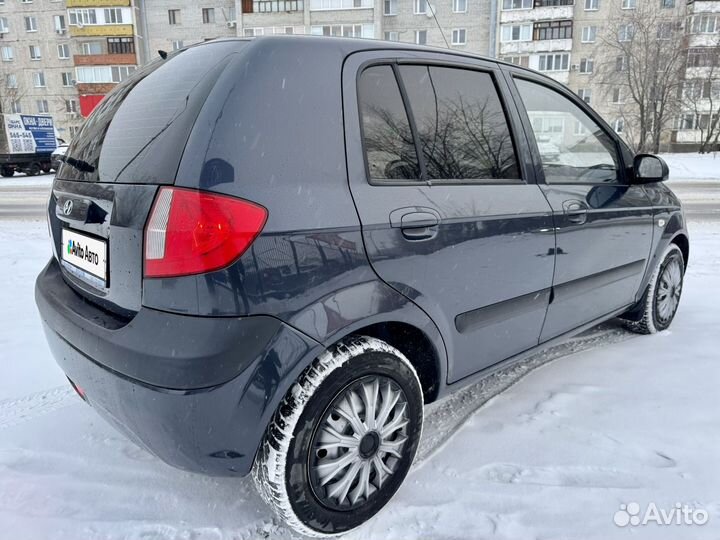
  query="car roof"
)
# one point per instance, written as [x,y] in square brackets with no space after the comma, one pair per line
[352,45]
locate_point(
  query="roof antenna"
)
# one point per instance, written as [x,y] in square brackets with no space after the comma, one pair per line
[432,13]
[163,54]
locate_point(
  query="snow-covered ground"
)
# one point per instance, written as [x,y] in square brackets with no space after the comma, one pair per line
[547,449]
[693,166]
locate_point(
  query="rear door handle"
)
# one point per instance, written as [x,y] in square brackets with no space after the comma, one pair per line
[416,223]
[576,211]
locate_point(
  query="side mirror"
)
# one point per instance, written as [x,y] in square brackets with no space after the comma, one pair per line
[649,169]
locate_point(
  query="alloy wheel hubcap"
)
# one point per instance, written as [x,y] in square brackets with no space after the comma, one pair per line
[669,289]
[359,443]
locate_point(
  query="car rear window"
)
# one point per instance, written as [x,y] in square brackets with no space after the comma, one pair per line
[138,132]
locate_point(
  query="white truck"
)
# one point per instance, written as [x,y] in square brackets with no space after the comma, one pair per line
[26,143]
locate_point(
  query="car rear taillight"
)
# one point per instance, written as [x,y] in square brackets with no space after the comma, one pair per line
[193,232]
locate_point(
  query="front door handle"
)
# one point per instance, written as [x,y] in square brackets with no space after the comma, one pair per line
[576,211]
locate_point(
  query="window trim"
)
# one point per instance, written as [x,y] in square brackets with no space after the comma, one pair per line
[623,179]
[496,75]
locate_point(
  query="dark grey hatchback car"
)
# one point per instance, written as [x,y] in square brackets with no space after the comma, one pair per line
[268,254]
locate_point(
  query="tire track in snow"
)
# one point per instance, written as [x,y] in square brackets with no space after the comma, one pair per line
[17,411]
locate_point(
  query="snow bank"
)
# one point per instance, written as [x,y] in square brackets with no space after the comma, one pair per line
[693,166]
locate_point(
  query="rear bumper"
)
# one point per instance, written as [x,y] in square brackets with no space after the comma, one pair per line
[197,392]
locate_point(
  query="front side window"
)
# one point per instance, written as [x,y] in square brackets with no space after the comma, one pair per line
[461,126]
[581,152]
[388,139]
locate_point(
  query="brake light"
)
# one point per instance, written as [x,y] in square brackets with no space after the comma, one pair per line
[193,232]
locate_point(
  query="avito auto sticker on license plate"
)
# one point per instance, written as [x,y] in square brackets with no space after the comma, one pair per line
[85,257]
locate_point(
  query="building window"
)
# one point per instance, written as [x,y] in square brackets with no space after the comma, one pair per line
[35,53]
[702,57]
[42,106]
[7,54]
[30,24]
[120,73]
[113,16]
[82,16]
[71,106]
[4,29]
[517,4]
[519,32]
[63,51]
[587,65]
[124,45]
[629,4]
[585,94]
[420,7]
[67,78]
[174,16]
[704,24]
[459,6]
[420,37]
[625,32]
[459,36]
[619,125]
[15,106]
[91,47]
[208,15]
[667,4]
[252,32]
[523,61]
[592,5]
[664,30]
[39,79]
[275,6]
[392,36]
[389,7]
[344,30]
[11,80]
[554,62]
[621,63]
[59,23]
[617,96]
[339,4]
[553,3]
[589,34]
[177,44]
[552,30]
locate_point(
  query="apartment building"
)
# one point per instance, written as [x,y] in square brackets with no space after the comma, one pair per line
[36,63]
[466,24]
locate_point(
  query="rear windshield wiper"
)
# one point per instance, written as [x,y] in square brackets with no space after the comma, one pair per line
[79,164]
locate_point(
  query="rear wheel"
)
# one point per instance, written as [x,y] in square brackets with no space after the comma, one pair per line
[33,170]
[7,172]
[343,439]
[659,304]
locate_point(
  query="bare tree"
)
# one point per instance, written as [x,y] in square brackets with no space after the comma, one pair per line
[701,93]
[11,89]
[640,55]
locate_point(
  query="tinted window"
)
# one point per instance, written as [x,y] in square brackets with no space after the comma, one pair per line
[461,124]
[573,148]
[388,138]
[138,132]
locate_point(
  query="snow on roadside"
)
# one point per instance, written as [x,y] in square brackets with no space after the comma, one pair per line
[693,166]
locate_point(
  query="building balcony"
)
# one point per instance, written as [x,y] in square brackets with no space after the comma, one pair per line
[525,47]
[104,59]
[537,14]
[95,88]
[272,6]
[96,3]
[95,30]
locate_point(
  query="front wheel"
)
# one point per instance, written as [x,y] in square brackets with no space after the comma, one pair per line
[661,299]
[7,172]
[343,439]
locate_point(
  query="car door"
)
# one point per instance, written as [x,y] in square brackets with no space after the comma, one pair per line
[450,215]
[603,225]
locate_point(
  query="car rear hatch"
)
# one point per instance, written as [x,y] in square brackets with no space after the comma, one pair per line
[131,144]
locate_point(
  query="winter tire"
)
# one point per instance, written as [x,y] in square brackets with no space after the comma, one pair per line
[343,438]
[657,308]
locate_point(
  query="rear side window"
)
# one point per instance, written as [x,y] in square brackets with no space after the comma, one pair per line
[139,130]
[455,118]
[461,124]
[389,144]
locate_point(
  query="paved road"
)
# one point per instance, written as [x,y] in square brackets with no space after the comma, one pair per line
[25,198]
